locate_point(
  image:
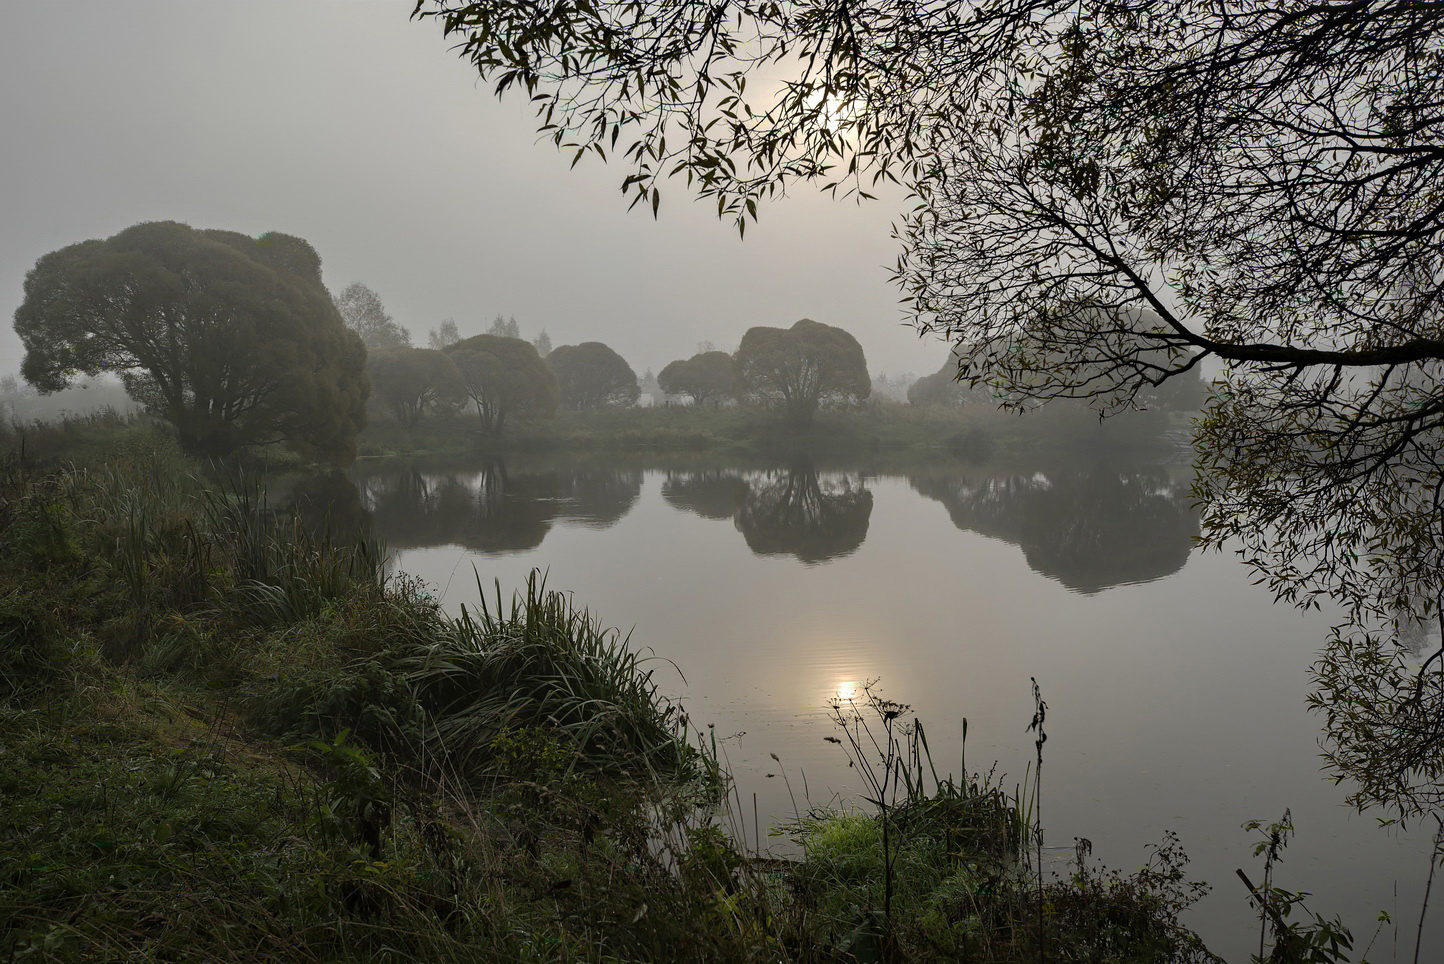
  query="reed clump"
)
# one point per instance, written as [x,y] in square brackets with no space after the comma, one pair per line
[943,867]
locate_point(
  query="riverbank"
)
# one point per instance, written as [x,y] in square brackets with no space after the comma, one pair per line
[228,734]
[976,433]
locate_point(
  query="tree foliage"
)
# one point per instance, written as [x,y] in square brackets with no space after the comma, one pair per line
[1123,189]
[704,376]
[232,339]
[591,375]
[504,327]
[444,335]
[799,368]
[942,388]
[414,381]
[363,312]
[504,377]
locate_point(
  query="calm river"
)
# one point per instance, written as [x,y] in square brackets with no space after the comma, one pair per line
[1175,687]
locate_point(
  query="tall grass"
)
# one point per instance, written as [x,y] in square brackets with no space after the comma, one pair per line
[190,572]
[229,735]
[77,437]
[943,867]
[286,570]
[538,660]
[203,620]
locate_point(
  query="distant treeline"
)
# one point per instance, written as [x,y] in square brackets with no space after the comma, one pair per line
[237,344]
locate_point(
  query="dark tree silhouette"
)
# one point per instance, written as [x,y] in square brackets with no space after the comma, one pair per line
[704,376]
[232,339]
[504,376]
[591,375]
[797,369]
[414,381]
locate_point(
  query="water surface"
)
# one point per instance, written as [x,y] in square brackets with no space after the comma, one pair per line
[1175,687]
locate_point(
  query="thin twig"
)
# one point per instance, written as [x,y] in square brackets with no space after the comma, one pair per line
[1433,865]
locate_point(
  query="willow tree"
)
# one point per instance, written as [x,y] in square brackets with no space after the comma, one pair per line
[1260,185]
[1255,186]
[232,339]
[706,375]
[504,377]
[414,381]
[591,375]
[797,369]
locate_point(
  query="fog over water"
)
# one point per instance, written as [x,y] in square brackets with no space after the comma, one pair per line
[360,131]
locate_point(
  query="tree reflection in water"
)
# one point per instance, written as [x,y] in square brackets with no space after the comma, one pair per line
[486,510]
[327,503]
[793,511]
[490,509]
[598,499]
[799,513]
[712,494]
[1089,529]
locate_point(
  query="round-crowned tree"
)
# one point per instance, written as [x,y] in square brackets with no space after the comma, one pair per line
[504,376]
[799,368]
[591,375]
[704,376]
[413,381]
[232,339]
[942,388]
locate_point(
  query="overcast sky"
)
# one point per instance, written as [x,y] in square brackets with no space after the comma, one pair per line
[359,130]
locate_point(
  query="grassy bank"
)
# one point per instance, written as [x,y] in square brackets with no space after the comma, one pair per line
[226,734]
[974,433]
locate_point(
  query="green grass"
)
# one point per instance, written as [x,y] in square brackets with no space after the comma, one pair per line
[191,683]
[975,433]
[940,868]
[227,734]
[84,439]
[878,428]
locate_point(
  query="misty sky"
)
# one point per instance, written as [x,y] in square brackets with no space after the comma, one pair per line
[359,130]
